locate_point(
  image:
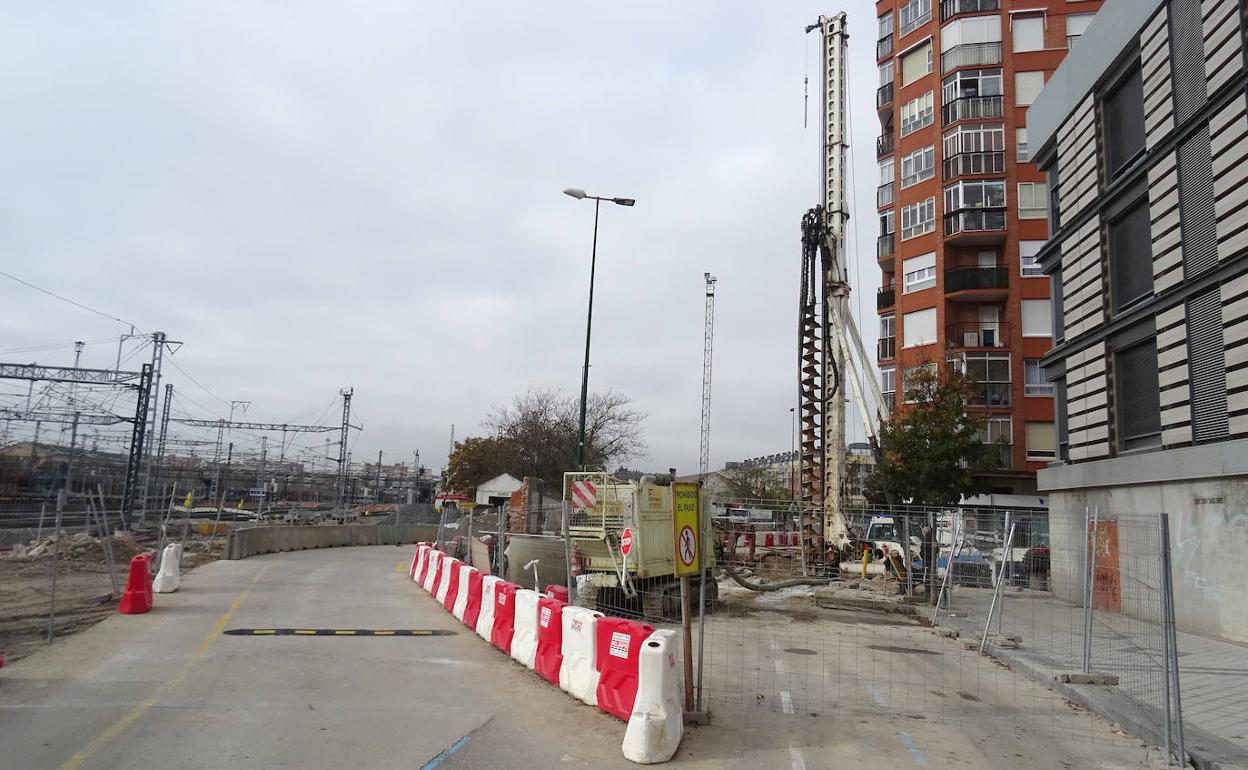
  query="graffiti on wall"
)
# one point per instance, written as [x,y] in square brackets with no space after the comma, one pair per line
[1106,577]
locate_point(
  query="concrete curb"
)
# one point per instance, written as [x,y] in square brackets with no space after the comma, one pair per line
[253,541]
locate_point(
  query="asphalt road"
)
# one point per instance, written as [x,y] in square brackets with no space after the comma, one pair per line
[168,690]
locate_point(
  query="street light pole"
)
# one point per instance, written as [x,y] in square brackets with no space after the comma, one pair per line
[589,317]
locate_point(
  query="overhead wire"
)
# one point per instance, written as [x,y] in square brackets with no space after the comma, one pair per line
[76,304]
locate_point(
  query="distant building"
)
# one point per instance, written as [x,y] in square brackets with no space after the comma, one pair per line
[1143,133]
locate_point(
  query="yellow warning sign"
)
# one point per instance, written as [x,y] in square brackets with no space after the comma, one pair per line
[685,526]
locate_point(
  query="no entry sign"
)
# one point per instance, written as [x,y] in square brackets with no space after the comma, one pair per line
[626,541]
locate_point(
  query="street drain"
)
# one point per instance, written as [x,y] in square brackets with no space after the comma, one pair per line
[911,650]
[338,632]
[800,651]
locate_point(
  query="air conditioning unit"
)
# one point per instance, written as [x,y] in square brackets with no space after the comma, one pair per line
[970,339]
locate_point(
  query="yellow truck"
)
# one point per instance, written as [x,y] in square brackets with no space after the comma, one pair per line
[638,577]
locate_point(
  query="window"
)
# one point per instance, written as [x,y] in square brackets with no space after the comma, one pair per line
[917,166]
[1020,144]
[920,272]
[915,14]
[1076,25]
[978,137]
[1123,111]
[1130,256]
[978,194]
[965,84]
[1137,402]
[1033,200]
[888,384]
[916,63]
[886,171]
[1027,87]
[1037,318]
[886,73]
[1041,441]
[919,328]
[886,26]
[991,373]
[1035,382]
[998,429]
[908,377]
[884,193]
[916,114]
[887,223]
[1028,33]
[971,30]
[1027,251]
[918,218]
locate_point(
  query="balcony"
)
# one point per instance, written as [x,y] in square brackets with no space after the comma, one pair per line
[971,107]
[886,348]
[990,394]
[885,246]
[970,55]
[975,227]
[884,47]
[886,297]
[978,336]
[884,145]
[977,284]
[951,8]
[974,163]
[884,195]
[918,21]
[884,96]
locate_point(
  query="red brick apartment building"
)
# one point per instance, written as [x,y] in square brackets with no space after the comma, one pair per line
[962,210]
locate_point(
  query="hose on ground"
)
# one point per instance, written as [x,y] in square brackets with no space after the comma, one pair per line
[733,573]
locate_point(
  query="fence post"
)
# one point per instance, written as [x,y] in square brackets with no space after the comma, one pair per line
[1006,570]
[567,553]
[1089,590]
[954,548]
[905,552]
[997,604]
[1172,647]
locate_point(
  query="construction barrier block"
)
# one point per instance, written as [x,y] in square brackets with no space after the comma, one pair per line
[504,615]
[485,619]
[557,592]
[168,577]
[549,653]
[472,605]
[524,636]
[619,644]
[464,587]
[452,588]
[137,598]
[444,579]
[431,571]
[578,674]
[411,573]
[422,563]
[656,725]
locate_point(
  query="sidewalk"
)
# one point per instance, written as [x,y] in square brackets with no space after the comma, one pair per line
[1213,673]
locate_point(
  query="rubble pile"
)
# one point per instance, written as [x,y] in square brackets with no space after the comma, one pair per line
[79,547]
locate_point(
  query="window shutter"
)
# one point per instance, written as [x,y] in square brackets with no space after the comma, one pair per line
[1207,366]
[1138,402]
[1198,218]
[1187,58]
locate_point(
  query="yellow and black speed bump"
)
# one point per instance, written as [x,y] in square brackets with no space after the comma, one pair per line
[338,632]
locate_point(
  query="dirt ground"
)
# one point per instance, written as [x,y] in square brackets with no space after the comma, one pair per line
[84,588]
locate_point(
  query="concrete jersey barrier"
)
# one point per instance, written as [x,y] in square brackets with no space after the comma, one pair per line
[253,541]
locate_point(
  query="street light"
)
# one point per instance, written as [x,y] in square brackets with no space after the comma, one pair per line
[589,317]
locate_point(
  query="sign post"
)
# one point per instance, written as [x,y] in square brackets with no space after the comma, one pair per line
[685,526]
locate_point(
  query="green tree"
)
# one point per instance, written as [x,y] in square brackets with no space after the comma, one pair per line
[756,482]
[932,447]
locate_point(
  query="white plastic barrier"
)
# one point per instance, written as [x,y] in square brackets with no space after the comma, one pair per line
[431,575]
[524,636]
[578,676]
[167,579]
[461,597]
[418,561]
[444,580]
[485,621]
[657,723]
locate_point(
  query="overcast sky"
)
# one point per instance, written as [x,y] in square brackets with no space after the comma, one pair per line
[312,195]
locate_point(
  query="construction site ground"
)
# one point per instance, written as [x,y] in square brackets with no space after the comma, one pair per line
[84,588]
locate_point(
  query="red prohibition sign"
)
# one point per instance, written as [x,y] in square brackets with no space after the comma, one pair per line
[688,549]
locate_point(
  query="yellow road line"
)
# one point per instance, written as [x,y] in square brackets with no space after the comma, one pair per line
[304,632]
[264,631]
[118,727]
[344,632]
[383,633]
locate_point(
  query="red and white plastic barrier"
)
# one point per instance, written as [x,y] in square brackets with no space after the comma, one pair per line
[461,593]
[657,723]
[504,615]
[623,667]
[524,625]
[772,540]
[485,619]
[578,675]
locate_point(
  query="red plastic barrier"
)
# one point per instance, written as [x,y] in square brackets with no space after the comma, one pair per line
[472,610]
[504,615]
[137,598]
[452,590]
[411,573]
[549,639]
[619,648]
[424,569]
[557,592]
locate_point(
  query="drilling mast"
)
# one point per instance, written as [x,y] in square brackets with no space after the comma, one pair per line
[826,330]
[708,339]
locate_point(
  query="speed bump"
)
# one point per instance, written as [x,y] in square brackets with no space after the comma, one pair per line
[338,632]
